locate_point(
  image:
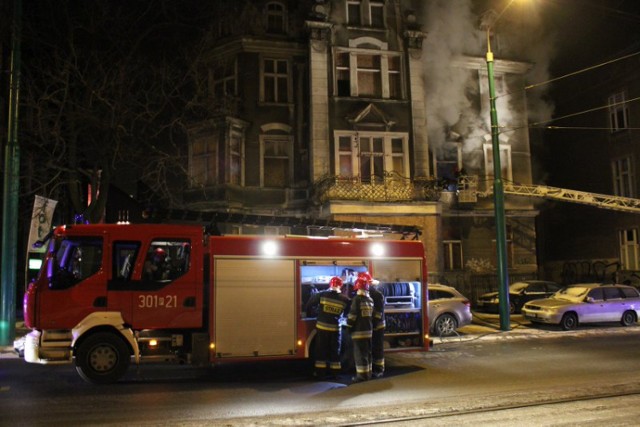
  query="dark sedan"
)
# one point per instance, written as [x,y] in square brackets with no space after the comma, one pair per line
[519,294]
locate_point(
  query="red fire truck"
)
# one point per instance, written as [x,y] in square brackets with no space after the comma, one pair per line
[108,294]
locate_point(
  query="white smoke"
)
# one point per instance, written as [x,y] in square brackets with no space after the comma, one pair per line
[450,33]
[452,92]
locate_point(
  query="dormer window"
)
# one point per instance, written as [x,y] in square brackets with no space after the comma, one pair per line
[353,13]
[376,13]
[276,18]
[365,13]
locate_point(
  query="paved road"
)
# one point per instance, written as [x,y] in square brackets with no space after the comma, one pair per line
[482,370]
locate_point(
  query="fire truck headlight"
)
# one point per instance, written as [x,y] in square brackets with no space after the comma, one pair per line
[269,248]
[377,249]
[153,343]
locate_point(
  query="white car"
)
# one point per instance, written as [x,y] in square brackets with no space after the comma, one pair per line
[586,303]
[448,310]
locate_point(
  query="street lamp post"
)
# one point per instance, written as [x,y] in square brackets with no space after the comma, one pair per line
[498,193]
[10,199]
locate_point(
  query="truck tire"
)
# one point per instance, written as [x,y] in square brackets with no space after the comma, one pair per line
[102,358]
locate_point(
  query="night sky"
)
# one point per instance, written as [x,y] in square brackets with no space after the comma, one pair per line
[590,31]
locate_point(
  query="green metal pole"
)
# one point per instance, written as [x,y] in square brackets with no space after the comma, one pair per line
[498,202]
[8,284]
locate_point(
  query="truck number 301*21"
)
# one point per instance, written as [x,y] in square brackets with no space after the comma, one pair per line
[155,301]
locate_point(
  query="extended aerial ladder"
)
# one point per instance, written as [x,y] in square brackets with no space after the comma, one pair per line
[213,218]
[468,193]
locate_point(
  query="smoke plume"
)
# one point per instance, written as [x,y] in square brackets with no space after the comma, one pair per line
[454,31]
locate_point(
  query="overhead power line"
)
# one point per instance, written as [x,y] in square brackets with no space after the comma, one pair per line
[584,70]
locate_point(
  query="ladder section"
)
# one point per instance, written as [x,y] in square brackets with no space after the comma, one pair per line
[468,193]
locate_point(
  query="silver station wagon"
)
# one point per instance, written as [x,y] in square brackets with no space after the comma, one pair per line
[586,303]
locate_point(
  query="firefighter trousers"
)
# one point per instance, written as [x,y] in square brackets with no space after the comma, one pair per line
[327,352]
[377,352]
[362,358]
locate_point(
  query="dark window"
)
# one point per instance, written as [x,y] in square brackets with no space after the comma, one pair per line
[552,287]
[439,294]
[452,255]
[75,260]
[353,13]
[124,259]
[629,292]
[343,78]
[276,23]
[276,80]
[535,287]
[377,14]
[596,294]
[166,260]
[612,293]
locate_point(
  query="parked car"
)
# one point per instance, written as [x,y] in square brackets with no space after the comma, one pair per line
[586,303]
[448,310]
[519,294]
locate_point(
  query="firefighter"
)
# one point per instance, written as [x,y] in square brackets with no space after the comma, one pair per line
[377,339]
[155,267]
[331,305]
[360,321]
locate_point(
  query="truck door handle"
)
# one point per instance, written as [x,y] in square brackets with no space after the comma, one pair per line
[189,302]
[100,302]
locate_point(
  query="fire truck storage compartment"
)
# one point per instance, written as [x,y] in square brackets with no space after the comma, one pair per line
[315,276]
[399,283]
[402,288]
[254,307]
[403,317]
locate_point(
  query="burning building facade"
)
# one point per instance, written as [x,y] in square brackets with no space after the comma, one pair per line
[368,111]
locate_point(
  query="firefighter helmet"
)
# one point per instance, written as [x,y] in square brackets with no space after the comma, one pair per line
[361,283]
[335,282]
[365,276]
[160,254]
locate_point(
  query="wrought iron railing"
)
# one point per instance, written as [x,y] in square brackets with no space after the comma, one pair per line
[391,187]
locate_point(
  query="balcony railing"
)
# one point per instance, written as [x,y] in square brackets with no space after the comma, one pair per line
[391,187]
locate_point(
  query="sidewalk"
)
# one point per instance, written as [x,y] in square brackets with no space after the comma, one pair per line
[7,352]
[486,327]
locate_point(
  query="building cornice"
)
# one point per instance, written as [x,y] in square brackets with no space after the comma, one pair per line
[278,48]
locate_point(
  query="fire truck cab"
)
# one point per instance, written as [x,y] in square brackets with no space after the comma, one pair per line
[110,293]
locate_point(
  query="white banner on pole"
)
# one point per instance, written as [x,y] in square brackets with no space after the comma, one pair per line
[41,220]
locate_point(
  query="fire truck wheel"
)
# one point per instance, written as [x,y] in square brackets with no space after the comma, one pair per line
[102,358]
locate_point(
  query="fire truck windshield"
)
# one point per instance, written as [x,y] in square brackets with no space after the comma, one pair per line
[72,260]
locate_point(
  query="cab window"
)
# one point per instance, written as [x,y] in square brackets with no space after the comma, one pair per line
[124,258]
[74,260]
[166,260]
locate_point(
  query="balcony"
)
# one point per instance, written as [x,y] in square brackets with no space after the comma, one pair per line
[392,187]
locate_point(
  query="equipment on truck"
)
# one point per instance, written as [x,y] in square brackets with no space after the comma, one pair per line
[219,299]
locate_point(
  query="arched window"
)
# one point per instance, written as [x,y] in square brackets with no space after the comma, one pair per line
[276,16]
